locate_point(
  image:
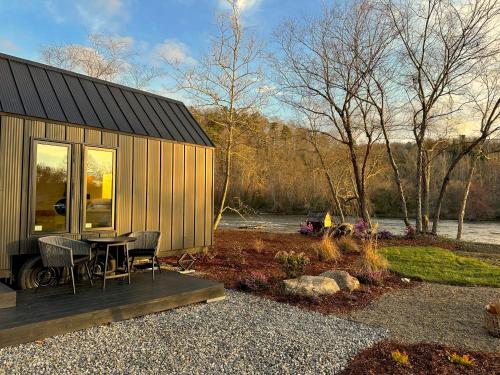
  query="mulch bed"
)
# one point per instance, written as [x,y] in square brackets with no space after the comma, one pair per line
[235,256]
[424,359]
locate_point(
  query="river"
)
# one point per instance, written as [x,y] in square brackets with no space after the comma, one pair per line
[486,232]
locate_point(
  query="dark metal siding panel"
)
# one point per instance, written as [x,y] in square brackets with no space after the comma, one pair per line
[77,135]
[9,96]
[182,130]
[153,186]
[127,111]
[93,137]
[124,184]
[11,156]
[109,139]
[65,98]
[167,122]
[32,129]
[195,125]
[82,101]
[27,91]
[113,108]
[141,115]
[166,196]
[98,105]
[47,96]
[153,116]
[140,161]
[55,132]
[189,196]
[178,198]
[209,197]
[186,124]
[200,207]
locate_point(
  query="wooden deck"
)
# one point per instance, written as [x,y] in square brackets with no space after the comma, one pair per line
[53,311]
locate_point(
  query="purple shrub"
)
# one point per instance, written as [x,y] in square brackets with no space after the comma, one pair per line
[410,231]
[306,229]
[361,229]
[253,282]
[384,234]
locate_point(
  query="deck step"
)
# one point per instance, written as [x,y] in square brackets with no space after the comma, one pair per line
[7,297]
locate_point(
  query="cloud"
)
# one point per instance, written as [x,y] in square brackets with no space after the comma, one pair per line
[174,52]
[243,5]
[8,45]
[103,15]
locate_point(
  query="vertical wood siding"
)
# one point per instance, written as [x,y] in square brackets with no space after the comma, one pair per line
[160,185]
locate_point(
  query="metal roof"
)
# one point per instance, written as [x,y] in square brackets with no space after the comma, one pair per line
[36,90]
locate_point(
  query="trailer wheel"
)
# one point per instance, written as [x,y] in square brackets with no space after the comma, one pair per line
[33,274]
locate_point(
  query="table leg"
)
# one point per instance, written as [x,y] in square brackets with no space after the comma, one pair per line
[105,268]
[125,248]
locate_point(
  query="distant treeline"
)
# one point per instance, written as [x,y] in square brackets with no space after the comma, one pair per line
[277,170]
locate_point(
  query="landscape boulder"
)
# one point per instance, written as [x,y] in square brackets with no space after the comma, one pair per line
[310,286]
[345,281]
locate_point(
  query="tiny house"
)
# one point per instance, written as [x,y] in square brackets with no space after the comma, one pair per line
[83,157]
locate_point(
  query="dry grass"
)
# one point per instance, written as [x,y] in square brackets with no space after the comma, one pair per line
[371,261]
[348,245]
[258,245]
[327,250]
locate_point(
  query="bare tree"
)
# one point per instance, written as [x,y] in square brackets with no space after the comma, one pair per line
[229,78]
[104,57]
[140,76]
[441,41]
[321,68]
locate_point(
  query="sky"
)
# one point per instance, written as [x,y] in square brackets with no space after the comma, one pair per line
[182,26]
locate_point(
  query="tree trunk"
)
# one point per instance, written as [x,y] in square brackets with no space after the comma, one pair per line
[461,214]
[418,220]
[397,176]
[426,177]
[333,192]
[225,189]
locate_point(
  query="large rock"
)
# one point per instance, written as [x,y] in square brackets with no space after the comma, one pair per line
[310,286]
[345,281]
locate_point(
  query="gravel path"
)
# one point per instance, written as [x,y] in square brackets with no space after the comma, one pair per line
[243,334]
[450,315]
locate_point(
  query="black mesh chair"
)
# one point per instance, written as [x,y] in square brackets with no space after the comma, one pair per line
[145,246]
[64,252]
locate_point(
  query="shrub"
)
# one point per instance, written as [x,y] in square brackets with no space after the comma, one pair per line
[236,258]
[384,234]
[306,228]
[327,250]
[361,229]
[410,231]
[463,360]
[400,358]
[253,282]
[208,252]
[258,245]
[292,263]
[371,266]
[347,245]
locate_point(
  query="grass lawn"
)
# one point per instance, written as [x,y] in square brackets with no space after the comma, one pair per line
[440,265]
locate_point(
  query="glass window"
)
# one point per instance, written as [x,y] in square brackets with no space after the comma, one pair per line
[51,187]
[99,188]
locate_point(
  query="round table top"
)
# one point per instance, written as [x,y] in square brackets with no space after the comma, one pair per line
[112,240]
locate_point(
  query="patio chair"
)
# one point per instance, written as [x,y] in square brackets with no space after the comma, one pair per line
[145,246]
[64,252]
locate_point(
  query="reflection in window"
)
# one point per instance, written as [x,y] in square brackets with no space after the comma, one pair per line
[51,188]
[99,188]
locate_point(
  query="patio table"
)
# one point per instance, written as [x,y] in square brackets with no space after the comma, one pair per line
[120,241]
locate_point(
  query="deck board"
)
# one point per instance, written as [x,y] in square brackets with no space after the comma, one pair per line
[53,311]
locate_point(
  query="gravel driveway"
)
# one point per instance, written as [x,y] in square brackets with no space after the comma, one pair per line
[449,315]
[243,334]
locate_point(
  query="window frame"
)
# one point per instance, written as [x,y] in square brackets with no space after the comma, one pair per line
[83,215]
[33,192]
